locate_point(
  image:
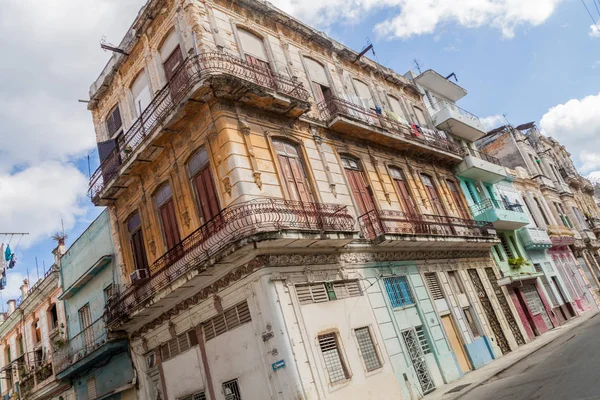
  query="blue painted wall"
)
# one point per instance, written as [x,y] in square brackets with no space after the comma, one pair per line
[108,377]
[480,352]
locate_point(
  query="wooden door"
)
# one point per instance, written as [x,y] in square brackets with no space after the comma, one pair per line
[458,201]
[295,179]
[408,205]
[137,247]
[85,322]
[177,76]
[169,223]
[360,191]
[456,344]
[261,71]
[433,195]
[206,194]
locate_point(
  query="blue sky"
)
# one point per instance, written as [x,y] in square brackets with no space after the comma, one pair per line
[533,60]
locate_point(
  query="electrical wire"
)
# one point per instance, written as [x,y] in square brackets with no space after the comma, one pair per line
[596,2]
[590,14]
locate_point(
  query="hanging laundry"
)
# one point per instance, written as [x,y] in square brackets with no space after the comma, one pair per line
[7,253]
[12,262]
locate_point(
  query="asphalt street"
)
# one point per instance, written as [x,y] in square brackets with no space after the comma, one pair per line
[566,369]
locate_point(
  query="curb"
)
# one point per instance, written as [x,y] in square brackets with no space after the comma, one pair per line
[475,386]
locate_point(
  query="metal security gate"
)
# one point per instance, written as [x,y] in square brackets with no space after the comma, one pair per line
[418,360]
[535,304]
[489,311]
[512,322]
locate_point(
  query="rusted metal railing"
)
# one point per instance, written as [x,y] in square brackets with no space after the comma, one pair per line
[333,107]
[186,77]
[376,223]
[80,345]
[230,225]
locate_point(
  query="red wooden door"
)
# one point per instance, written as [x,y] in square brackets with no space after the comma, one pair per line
[408,204]
[295,179]
[458,201]
[176,76]
[137,247]
[261,71]
[360,191]
[206,194]
[169,223]
[433,195]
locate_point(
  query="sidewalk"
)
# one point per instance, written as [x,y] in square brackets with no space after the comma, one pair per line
[480,376]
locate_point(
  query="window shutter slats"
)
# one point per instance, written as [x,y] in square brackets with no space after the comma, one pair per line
[434,286]
[317,292]
[226,321]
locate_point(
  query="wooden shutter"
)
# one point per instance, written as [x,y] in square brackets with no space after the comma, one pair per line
[458,202]
[434,286]
[137,246]
[169,223]
[91,388]
[433,195]
[176,75]
[206,193]
[408,205]
[361,193]
[114,122]
[295,178]
[262,71]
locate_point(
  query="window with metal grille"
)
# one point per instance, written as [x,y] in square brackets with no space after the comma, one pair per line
[367,348]
[433,284]
[423,339]
[178,345]
[194,396]
[336,369]
[398,291]
[327,291]
[227,320]
[231,390]
[91,388]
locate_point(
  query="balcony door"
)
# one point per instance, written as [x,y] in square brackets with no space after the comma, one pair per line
[177,76]
[136,241]
[293,171]
[361,192]
[256,55]
[167,215]
[142,96]
[458,201]
[203,184]
[433,196]
[85,322]
[406,201]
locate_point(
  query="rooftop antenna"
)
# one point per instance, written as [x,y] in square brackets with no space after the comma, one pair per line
[111,47]
[417,65]
[453,75]
[506,119]
[364,51]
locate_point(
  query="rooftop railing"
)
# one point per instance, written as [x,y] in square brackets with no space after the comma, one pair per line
[80,345]
[167,99]
[230,225]
[376,223]
[493,204]
[335,106]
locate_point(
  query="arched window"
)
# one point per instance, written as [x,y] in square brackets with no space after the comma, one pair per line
[458,201]
[360,190]
[172,58]
[136,241]
[406,200]
[397,110]
[140,90]
[293,171]
[255,54]
[203,184]
[433,195]
[364,94]
[318,78]
[165,206]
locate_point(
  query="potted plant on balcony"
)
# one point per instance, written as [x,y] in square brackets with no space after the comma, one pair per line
[517,262]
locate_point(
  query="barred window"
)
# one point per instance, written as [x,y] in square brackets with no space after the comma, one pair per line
[336,369]
[423,339]
[231,390]
[227,320]
[367,348]
[398,291]
[178,345]
[327,291]
[194,396]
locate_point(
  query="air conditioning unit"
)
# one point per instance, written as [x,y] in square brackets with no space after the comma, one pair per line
[139,276]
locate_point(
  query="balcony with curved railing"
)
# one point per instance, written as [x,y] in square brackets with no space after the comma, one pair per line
[388,225]
[193,71]
[233,224]
[352,119]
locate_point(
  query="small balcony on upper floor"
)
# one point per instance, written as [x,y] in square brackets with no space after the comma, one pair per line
[457,121]
[355,120]
[560,235]
[390,228]
[534,238]
[238,233]
[89,347]
[501,214]
[198,79]
[544,181]
[570,176]
[480,166]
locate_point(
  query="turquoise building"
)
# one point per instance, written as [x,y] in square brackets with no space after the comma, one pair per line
[96,361]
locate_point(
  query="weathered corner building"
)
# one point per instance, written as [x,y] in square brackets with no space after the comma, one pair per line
[286,215]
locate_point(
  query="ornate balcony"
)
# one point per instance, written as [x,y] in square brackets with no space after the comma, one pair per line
[560,235]
[87,348]
[501,214]
[570,176]
[293,224]
[451,118]
[198,78]
[481,167]
[389,227]
[352,119]
[534,238]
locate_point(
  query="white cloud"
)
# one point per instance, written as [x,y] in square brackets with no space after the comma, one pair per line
[576,124]
[418,17]
[14,280]
[493,121]
[594,31]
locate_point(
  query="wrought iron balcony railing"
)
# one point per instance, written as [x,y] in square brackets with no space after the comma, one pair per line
[333,107]
[381,222]
[80,345]
[230,225]
[493,204]
[190,73]
[481,155]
